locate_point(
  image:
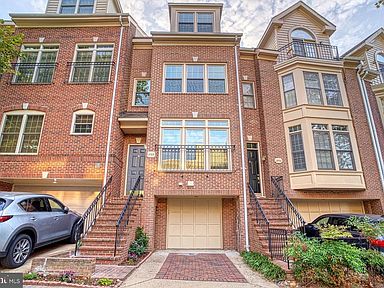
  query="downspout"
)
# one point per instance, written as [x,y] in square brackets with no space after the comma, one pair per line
[113,104]
[242,150]
[371,124]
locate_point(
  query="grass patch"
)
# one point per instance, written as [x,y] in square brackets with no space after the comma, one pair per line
[264,266]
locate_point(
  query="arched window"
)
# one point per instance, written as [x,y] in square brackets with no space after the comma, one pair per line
[82,122]
[302,34]
[380,65]
[304,43]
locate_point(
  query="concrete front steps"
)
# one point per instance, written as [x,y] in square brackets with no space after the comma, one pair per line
[100,241]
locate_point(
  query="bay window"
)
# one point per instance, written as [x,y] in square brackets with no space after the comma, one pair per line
[297,148]
[313,89]
[20,132]
[194,145]
[323,146]
[343,147]
[289,91]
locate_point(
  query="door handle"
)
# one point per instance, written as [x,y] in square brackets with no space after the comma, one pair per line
[56,218]
[33,218]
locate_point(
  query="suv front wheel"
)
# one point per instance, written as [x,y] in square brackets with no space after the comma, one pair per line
[18,252]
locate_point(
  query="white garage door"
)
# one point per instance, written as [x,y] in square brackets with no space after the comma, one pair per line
[311,209]
[76,198]
[194,224]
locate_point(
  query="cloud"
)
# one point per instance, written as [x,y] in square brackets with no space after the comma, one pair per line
[355,19]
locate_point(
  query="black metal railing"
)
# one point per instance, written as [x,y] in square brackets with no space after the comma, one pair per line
[195,157]
[308,50]
[89,217]
[90,72]
[261,219]
[294,217]
[125,215]
[37,73]
[278,239]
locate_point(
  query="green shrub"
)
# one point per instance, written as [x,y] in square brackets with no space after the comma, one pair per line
[139,246]
[367,227]
[334,232]
[105,282]
[374,261]
[263,264]
[330,262]
[67,277]
[30,276]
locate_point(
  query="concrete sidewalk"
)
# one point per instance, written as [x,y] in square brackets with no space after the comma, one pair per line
[144,276]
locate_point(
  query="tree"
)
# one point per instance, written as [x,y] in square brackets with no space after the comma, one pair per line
[9,47]
[379,3]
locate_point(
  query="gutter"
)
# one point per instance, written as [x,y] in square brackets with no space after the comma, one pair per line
[242,150]
[113,103]
[371,123]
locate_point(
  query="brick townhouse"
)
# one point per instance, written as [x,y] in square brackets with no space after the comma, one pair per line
[212,135]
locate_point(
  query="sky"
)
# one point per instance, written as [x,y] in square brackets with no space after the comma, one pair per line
[354,19]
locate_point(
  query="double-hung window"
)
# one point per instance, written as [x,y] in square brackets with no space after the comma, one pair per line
[248,95]
[203,20]
[20,132]
[194,145]
[83,122]
[313,89]
[195,78]
[289,91]
[323,146]
[343,147]
[77,6]
[142,92]
[332,89]
[92,63]
[297,148]
[37,64]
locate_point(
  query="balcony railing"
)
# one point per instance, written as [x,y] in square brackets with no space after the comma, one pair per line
[38,73]
[308,50]
[379,79]
[90,72]
[195,157]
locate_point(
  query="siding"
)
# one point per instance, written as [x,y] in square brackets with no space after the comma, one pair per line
[52,6]
[101,6]
[271,43]
[299,18]
[371,54]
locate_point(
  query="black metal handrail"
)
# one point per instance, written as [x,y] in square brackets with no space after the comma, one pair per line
[90,72]
[261,219]
[125,214]
[278,242]
[294,217]
[37,73]
[195,157]
[308,50]
[88,220]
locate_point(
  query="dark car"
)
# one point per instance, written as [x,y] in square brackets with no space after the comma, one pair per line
[312,229]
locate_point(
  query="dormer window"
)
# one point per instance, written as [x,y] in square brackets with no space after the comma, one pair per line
[304,43]
[195,22]
[302,35]
[77,6]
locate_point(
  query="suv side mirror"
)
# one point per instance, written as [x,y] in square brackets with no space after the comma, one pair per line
[66,210]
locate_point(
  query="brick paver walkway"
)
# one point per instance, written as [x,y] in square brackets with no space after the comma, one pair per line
[200,267]
[112,271]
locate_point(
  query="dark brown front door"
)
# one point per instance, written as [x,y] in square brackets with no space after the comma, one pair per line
[254,166]
[136,164]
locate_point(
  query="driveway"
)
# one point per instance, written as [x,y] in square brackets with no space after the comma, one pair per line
[168,269]
[55,248]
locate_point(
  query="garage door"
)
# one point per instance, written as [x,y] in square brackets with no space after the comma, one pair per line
[76,198]
[311,209]
[194,224]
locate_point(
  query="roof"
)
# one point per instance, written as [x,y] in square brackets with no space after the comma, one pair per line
[364,43]
[276,20]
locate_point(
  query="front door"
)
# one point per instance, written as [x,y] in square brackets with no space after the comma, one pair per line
[254,166]
[136,164]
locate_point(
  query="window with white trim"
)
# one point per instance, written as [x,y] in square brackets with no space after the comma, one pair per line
[380,65]
[323,146]
[289,91]
[20,132]
[77,6]
[82,123]
[142,92]
[92,63]
[343,147]
[297,148]
[248,95]
[195,145]
[37,64]
[330,92]
[203,20]
[195,78]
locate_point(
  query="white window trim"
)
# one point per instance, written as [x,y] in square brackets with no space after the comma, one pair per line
[94,51]
[134,91]
[381,75]
[205,85]
[76,8]
[38,59]
[25,113]
[82,112]
[206,128]
[254,96]
[195,26]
